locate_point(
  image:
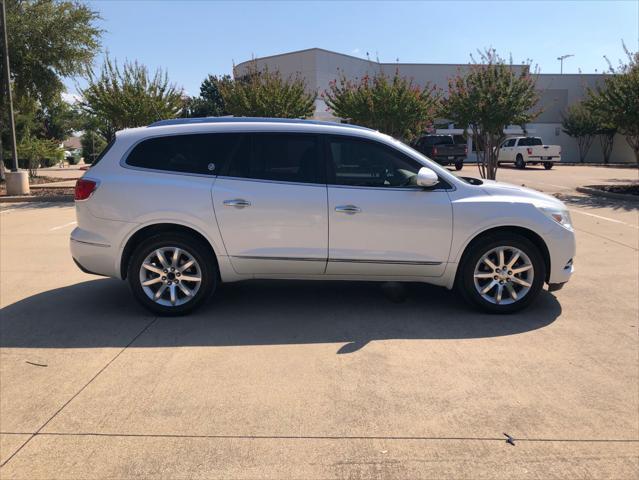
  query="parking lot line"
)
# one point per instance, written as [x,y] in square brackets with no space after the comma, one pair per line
[62,226]
[604,218]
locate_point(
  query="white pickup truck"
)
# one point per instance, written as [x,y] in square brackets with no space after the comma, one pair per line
[524,150]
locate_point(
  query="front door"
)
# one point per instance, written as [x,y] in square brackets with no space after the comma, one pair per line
[380,222]
[271,206]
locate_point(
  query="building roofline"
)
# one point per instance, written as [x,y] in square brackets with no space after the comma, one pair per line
[375,62]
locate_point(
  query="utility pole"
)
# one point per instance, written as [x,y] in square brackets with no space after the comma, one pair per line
[7,86]
[17,182]
[561,61]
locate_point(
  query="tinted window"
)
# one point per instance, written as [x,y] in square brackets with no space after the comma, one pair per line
[529,142]
[510,143]
[280,157]
[368,164]
[459,140]
[199,153]
[438,140]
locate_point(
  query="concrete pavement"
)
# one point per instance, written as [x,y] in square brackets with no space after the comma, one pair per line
[319,379]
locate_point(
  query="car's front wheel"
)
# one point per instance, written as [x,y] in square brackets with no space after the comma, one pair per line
[172,274]
[548,165]
[502,273]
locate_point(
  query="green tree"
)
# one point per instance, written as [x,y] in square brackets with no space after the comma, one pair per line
[391,105]
[579,123]
[618,100]
[265,93]
[489,97]
[92,145]
[48,40]
[35,152]
[129,97]
[210,102]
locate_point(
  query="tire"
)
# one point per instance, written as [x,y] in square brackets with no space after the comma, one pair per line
[548,165]
[173,300]
[472,263]
[519,162]
[459,165]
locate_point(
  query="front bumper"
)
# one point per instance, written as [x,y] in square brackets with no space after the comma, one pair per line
[562,248]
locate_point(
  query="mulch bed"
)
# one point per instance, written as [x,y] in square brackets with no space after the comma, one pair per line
[623,189]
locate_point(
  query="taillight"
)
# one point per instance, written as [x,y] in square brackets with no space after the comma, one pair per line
[84,188]
[434,150]
[529,150]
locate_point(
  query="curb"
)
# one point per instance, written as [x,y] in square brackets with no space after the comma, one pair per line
[44,198]
[602,193]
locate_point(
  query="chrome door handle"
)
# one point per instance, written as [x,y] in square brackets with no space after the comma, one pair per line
[348,209]
[237,203]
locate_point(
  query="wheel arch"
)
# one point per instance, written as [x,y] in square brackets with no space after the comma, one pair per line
[147,231]
[523,231]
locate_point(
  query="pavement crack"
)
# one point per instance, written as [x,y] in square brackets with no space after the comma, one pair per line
[55,414]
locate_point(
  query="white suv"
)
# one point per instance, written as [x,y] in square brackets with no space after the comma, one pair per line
[182,205]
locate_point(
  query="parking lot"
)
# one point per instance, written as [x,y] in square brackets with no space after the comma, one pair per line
[322,379]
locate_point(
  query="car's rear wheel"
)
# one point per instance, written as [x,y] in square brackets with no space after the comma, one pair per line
[519,162]
[172,274]
[548,165]
[502,273]
[459,165]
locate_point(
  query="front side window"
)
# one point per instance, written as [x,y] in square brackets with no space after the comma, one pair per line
[362,163]
[195,153]
[281,157]
[509,143]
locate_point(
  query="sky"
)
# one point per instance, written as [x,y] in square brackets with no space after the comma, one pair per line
[191,39]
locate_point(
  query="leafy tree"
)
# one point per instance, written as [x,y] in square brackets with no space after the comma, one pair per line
[579,122]
[34,152]
[129,97]
[490,96]
[618,100]
[92,145]
[265,93]
[48,40]
[210,102]
[391,105]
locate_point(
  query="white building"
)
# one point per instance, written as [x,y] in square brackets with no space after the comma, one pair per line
[318,67]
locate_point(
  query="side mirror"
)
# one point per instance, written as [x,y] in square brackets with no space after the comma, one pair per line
[426,177]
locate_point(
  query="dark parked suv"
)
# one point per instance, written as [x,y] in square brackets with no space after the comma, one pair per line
[443,149]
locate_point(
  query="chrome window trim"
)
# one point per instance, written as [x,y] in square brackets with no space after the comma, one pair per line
[262,180]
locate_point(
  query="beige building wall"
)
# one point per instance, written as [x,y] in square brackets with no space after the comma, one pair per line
[319,67]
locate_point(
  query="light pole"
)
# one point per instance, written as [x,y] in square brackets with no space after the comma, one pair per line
[561,61]
[17,182]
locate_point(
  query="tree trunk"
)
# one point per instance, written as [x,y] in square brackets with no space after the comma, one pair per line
[607,142]
[633,141]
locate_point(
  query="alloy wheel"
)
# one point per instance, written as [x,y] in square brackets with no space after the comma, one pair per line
[504,275]
[170,276]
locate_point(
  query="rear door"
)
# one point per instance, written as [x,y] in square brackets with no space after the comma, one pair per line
[271,206]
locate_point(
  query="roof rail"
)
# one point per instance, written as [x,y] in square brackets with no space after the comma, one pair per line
[191,121]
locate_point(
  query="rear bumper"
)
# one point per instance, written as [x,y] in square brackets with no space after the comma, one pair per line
[92,255]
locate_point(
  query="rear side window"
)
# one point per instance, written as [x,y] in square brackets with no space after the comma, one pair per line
[438,140]
[529,142]
[279,157]
[198,153]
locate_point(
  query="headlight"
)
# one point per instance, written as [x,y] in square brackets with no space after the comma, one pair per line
[559,215]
